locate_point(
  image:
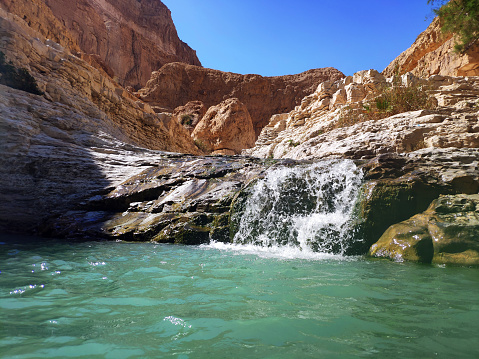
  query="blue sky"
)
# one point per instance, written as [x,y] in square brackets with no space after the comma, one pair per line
[281,37]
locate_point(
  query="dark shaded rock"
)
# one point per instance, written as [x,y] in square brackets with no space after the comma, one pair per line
[447,232]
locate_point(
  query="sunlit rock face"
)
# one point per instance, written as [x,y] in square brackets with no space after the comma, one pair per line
[176,84]
[432,54]
[316,128]
[131,38]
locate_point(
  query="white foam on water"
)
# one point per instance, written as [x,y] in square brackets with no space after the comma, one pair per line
[278,252]
[303,210]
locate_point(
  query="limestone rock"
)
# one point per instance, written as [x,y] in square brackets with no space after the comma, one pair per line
[319,127]
[176,84]
[226,127]
[447,232]
[432,54]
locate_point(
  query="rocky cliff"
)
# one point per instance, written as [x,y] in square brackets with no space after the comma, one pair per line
[432,54]
[132,38]
[176,84]
[81,134]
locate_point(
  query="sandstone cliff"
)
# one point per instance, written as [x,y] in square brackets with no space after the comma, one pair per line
[131,37]
[432,54]
[176,84]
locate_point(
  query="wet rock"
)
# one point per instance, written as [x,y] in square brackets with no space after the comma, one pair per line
[447,232]
[181,199]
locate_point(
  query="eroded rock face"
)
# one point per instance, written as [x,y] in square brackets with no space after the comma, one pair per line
[225,129]
[82,135]
[131,37]
[432,54]
[316,129]
[177,199]
[447,232]
[177,84]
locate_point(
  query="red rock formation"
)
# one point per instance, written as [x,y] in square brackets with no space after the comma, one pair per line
[432,54]
[132,37]
[176,84]
[225,129]
[40,18]
[190,114]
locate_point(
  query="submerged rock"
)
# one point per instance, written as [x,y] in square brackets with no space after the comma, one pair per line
[447,232]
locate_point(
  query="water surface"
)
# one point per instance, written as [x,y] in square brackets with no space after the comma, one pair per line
[119,300]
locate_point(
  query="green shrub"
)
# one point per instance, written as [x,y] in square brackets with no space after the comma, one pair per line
[460,17]
[19,79]
[390,100]
[186,120]
[201,145]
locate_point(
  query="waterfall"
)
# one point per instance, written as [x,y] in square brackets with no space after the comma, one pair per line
[307,207]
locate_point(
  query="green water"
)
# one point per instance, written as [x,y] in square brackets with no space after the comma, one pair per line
[118,300]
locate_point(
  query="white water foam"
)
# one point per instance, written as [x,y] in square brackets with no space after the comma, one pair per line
[303,210]
[286,252]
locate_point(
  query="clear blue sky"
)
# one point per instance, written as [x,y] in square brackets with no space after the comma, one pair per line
[282,37]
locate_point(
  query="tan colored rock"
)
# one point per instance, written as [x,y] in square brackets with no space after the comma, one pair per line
[177,84]
[190,114]
[130,38]
[319,133]
[226,128]
[447,232]
[432,54]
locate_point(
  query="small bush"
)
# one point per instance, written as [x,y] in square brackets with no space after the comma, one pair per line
[19,79]
[390,100]
[292,143]
[201,145]
[186,120]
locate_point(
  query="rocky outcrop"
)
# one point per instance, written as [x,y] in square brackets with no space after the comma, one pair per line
[333,121]
[225,128]
[399,186]
[447,232]
[177,84]
[190,114]
[432,54]
[176,199]
[82,135]
[131,37]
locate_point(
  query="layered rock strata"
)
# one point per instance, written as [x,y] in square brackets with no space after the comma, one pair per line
[177,84]
[81,135]
[176,199]
[316,128]
[132,38]
[432,54]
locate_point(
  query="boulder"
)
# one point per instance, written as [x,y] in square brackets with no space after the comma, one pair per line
[227,126]
[446,233]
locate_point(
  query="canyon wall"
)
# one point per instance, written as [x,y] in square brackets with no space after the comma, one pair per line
[132,38]
[432,54]
[176,84]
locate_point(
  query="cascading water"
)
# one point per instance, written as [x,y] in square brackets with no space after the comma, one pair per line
[307,207]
